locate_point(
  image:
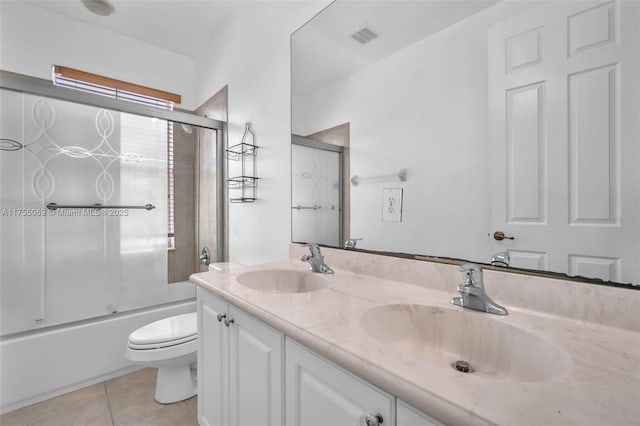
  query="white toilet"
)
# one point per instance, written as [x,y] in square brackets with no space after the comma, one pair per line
[170,345]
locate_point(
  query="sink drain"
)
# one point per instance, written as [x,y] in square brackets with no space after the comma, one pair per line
[462,366]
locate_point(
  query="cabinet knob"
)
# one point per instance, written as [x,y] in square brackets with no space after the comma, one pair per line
[221,317]
[228,322]
[373,419]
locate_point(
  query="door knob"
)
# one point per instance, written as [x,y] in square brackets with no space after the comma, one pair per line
[228,322]
[221,317]
[499,236]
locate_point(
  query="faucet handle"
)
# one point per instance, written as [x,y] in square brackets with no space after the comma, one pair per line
[472,275]
[468,278]
[314,248]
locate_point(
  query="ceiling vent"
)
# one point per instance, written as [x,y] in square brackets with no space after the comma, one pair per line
[364,36]
[99,7]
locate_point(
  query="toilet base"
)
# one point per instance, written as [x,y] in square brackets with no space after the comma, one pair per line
[174,384]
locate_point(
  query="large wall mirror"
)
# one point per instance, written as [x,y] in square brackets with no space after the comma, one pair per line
[471,128]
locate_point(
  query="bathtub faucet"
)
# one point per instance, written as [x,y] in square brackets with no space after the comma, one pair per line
[316,260]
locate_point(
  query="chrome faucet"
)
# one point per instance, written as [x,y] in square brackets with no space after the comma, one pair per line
[472,294]
[316,260]
[500,259]
[351,243]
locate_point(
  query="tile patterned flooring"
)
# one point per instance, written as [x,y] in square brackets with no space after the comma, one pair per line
[123,401]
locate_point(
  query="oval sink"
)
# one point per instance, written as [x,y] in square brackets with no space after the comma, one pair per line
[283,281]
[491,347]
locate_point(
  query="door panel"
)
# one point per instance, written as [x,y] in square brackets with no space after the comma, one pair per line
[409,416]
[320,394]
[594,187]
[526,165]
[213,377]
[256,372]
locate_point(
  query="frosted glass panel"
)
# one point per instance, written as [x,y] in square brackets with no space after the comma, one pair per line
[143,234]
[315,198]
[72,264]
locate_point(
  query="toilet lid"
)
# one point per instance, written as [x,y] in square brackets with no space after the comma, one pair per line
[177,329]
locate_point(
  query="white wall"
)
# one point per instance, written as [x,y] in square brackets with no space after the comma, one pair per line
[33,39]
[251,55]
[423,108]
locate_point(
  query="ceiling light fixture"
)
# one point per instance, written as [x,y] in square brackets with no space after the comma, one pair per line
[99,7]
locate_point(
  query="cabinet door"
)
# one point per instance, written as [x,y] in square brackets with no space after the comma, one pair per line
[409,416]
[213,379]
[256,372]
[319,393]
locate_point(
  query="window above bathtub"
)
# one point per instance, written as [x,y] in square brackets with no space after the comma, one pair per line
[97,84]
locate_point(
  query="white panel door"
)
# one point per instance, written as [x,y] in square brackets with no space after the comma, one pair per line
[213,377]
[564,125]
[256,372]
[321,394]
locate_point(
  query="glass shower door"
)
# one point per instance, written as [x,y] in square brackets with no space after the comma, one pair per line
[316,195]
[73,263]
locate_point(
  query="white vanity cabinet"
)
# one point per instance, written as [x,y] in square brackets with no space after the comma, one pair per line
[319,393]
[408,416]
[249,374]
[240,367]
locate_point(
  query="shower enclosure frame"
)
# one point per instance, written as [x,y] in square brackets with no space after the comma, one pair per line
[89,351]
[35,86]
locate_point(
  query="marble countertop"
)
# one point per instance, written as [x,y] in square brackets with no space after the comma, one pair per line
[596,381]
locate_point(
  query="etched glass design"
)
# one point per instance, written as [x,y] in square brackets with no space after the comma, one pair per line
[72,264]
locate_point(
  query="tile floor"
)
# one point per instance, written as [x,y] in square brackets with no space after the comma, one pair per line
[123,401]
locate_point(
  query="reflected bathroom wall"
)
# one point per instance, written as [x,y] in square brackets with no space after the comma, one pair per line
[72,264]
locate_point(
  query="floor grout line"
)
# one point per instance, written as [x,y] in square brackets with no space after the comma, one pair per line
[106,394]
[135,408]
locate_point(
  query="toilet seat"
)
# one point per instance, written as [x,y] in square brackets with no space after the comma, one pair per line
[166,332]
[160,345]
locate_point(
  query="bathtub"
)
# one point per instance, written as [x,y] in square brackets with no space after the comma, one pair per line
[38,365]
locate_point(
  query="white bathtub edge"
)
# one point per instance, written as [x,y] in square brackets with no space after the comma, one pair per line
[43,365]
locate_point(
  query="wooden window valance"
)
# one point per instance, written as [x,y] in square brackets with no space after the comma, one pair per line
[74,74]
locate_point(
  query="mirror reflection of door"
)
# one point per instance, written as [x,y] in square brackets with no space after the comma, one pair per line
[316,192]
[563,105]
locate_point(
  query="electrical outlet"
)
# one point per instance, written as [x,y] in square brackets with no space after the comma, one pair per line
[392,205]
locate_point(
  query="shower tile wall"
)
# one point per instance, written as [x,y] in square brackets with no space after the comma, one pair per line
[216,107]
[207,191]
[182,260]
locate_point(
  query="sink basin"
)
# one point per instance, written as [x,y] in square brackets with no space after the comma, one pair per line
[492,347]
[283,281]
